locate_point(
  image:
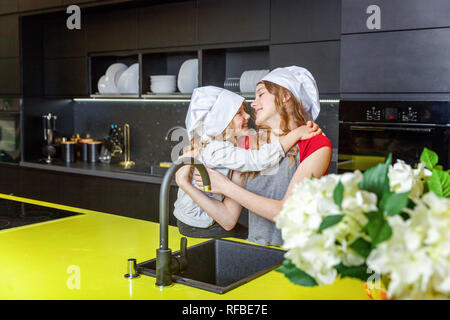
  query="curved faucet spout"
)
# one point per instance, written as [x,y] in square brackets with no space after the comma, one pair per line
[164,254]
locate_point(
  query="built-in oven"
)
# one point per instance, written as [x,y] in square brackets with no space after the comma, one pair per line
[370,130]
[10,130]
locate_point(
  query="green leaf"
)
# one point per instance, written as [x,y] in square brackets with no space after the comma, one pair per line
[338,194]
[429,157]
[362,247]
[376,178]
[359,272]
[330,221]
[439,183]
[296,275]
[393,203]
[377,228]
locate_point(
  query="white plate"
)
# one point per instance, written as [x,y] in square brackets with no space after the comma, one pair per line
[101,85]
[188,76]
[129,80]
[114,68]
[110,85]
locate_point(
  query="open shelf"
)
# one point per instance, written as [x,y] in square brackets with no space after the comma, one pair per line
[163,63]
[220,64]
[97,68]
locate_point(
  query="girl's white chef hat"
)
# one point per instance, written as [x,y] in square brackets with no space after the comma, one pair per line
[300,82]
[211,110]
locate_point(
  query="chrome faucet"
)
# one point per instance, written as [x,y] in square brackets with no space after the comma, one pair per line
[166,264]
[169,133]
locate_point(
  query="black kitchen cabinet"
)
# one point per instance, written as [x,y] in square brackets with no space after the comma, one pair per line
[304,20]
[26,5]
[40,185]
[222,21]
[61,42]
[8,6]
[9,179]
[66,77]
[320,58]
[10,76]
[112,30]
[415,61]
[395,14]
[168,25]
[9,36]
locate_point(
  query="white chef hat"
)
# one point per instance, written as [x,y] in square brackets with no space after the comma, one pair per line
[300,82]
[211,110]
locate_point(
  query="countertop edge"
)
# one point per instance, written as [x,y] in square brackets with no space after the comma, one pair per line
[96,173]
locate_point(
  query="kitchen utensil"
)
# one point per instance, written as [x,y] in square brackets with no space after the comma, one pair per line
[93,151]
[84,149]
[49,126]
[188,76]
[127,164]
[68,151]
[232,84]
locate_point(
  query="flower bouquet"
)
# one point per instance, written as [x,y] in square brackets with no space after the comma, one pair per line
[388,226]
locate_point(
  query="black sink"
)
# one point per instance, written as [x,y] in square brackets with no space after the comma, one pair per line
[220,265]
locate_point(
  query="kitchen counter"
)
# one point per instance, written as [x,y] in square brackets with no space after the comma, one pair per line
[139,173]
[45,261]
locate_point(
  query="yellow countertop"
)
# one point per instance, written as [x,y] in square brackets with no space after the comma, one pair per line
[85,257]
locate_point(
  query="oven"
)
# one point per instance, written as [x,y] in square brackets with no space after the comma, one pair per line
[10,130]
[370,130]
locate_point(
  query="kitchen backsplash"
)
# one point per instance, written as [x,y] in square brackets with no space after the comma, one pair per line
[149,122]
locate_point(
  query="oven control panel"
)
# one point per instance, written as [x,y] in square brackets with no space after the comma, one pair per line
[373,114]
[409,114]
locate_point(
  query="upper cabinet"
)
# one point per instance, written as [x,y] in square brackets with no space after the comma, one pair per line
[26,5]
[9,36]
[416,61]
[112,30]
[221,21]
[394,14]
[168,25]
[304,20]
[60,42]
[8,6]
[10,76]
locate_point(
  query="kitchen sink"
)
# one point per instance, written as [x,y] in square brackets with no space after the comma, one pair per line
[220,265]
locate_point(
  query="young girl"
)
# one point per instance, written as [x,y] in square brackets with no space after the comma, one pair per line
[216,117]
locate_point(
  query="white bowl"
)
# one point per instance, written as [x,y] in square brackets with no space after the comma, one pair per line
[188,76]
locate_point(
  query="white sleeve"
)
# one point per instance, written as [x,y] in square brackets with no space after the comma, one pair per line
[224,154]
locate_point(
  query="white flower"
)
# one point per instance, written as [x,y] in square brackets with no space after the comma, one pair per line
[417,256]
[403,178]
[318,253]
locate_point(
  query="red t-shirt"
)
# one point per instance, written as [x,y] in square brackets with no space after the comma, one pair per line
[309,146]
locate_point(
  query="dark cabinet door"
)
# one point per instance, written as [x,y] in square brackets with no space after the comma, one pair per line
[112,30]
[320,58]
[9,36]
[9,179]
[8,6]
[25,5]
[67,76]
[395,14]
[168,25]
[304,20]
[10,76]
[62,42]
[233,20]
[40,185]
[396,62]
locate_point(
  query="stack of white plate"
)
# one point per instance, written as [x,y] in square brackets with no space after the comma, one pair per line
[128,82]
[120,79]
[163,84]
[250,78]
[188,76]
